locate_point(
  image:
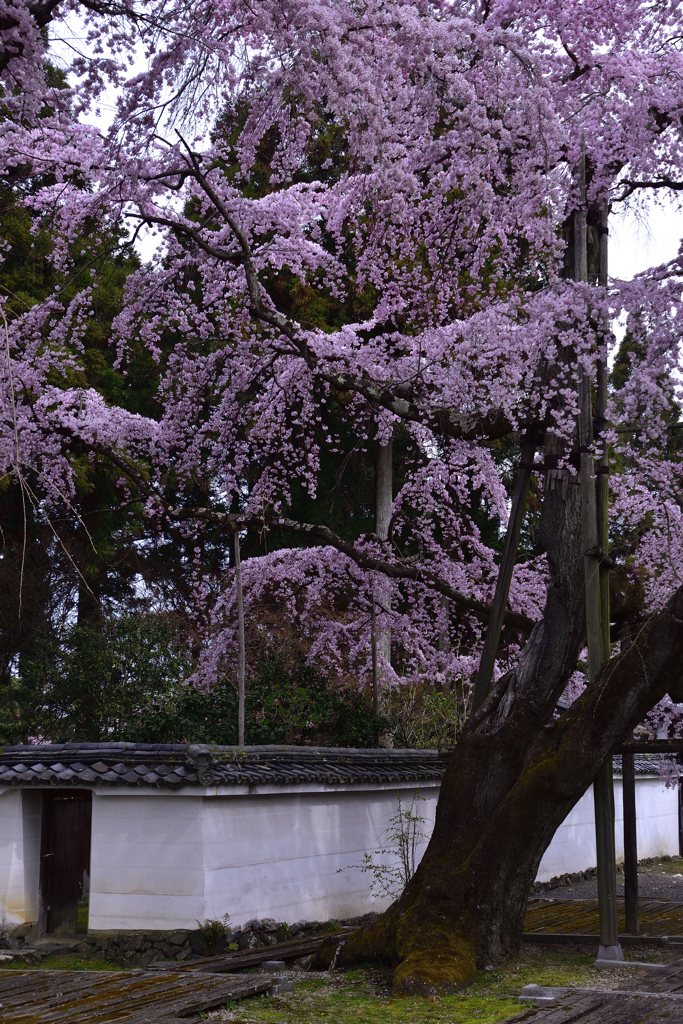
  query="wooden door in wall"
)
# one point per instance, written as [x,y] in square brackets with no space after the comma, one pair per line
[64,859]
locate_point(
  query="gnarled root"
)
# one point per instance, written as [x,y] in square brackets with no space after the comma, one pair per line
[435,970]
[375,941]
[429,959]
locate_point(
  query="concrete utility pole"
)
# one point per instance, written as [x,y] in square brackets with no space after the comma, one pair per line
[594,515]
[242,653]
[381,638]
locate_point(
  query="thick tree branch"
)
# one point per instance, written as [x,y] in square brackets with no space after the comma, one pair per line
[191,232]
[634,681]
[633,186]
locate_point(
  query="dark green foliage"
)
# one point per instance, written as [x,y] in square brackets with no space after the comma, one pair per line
[215,935]
[82,551]
[87,683]
[300,706]
[126,681]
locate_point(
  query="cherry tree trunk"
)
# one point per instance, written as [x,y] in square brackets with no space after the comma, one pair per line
[517,770]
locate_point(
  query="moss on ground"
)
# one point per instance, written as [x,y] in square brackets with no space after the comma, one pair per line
[65,962]
[363,995]
[667,865]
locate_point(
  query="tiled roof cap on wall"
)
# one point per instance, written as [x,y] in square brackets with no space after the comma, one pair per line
[645,764]
[172,765]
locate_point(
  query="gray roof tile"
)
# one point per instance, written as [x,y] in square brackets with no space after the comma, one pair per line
[170,765]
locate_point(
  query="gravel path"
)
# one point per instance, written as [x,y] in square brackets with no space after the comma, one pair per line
[662,880]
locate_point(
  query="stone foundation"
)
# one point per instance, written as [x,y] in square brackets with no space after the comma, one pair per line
[559,880]
[139,949]
[136,950]
[580,876]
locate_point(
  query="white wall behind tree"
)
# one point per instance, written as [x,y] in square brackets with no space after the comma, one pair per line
[168,860]
[573,846]
[296,856]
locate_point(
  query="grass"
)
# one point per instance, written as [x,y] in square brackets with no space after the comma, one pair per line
[667,865]
[82,916]
[63,962]
[364,996]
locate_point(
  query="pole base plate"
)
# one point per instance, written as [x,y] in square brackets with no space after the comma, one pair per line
[612,953]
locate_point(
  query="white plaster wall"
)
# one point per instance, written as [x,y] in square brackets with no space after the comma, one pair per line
[31,816]
[168,860]
[573,845]
[572,848]
[20,813]
[656,819]
[147,862]
[291,856]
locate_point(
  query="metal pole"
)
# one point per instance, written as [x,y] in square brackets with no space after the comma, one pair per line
[628,775]
[597,617]
[242,654]
[507,565]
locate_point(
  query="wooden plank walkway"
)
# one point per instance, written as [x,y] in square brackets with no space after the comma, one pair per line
[290,950]
[654,998]
[590,1008]
[105,997]
[657,917]
[664,979]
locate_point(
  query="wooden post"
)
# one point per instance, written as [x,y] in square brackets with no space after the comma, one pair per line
[507,565]
[627,760]
[603,798]
[597,617]
[242,654]
[628,775]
